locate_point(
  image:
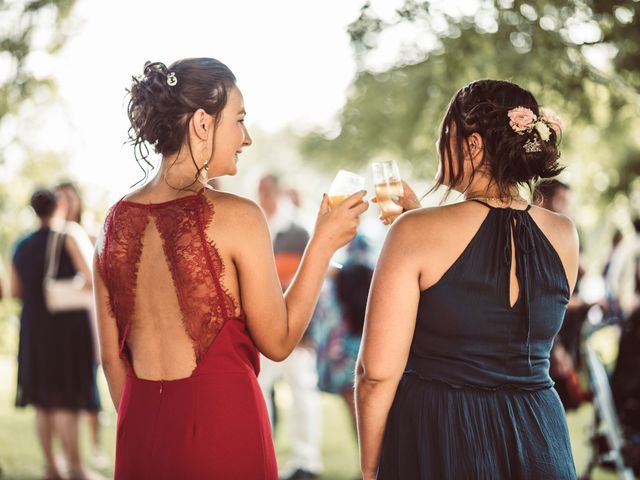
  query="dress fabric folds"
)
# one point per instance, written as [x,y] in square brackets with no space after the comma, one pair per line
[476,400]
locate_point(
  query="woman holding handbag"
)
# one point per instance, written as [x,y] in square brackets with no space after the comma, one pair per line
[56,352]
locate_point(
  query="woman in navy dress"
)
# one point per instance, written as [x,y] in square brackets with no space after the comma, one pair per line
[56,351]
[453,374]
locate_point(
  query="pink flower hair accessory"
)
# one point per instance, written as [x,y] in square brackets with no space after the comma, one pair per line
[521,119]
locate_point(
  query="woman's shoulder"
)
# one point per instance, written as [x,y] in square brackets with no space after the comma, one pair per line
[26,250]
[559,229]
[428,220]
[424,227]
[236,210]
[24,241]
[231,203]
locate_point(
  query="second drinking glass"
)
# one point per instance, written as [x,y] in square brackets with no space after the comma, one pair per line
[387,182]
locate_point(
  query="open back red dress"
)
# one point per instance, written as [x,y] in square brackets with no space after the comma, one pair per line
[213,424]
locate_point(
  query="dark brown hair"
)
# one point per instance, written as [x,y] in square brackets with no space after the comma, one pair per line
[481,107]
[44,202]
[163,100]
[68,189]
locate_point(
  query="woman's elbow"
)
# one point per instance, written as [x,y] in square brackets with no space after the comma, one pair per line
[372,376]
[276,347]
[276,354]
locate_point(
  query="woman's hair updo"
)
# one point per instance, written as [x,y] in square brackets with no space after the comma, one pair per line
[482,107]
[163,99]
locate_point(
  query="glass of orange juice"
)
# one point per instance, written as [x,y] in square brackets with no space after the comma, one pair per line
[387,183]
[343,186]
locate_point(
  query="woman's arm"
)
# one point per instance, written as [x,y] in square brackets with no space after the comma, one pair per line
[277,324]
[114,367]
[16,284]
[78,244]
[388,331]
[78,260]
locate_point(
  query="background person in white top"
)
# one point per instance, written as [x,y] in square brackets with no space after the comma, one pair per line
[299,369]
[70,212]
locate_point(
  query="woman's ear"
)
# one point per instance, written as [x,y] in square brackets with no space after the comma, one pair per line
[201,124]
[476,147]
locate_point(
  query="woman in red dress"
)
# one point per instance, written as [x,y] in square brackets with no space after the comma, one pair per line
[187,292]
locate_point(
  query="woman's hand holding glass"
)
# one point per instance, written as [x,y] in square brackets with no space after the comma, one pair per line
[408,201]
[393,195]
[336,226]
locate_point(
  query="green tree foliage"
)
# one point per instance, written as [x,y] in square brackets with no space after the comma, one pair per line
[30,30]
[31,33]
[580,57]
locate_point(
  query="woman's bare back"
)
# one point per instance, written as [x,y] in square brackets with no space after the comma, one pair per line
[182,275]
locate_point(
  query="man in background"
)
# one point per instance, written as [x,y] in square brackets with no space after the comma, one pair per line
[299,369]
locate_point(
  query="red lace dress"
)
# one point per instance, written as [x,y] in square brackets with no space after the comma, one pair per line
[213,424]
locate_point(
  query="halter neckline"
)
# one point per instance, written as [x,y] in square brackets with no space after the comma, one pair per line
[501,208]
[191,196]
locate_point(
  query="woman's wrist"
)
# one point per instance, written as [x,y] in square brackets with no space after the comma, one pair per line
[320,248]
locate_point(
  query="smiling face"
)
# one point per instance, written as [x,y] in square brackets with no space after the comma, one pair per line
[231,136]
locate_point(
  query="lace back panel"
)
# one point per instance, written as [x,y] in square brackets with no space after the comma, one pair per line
[194,265]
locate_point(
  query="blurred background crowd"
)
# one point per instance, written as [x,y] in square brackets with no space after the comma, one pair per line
[340,86]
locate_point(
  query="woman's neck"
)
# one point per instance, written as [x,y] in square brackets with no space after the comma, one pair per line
[178,173]
[483,187]
[493,194]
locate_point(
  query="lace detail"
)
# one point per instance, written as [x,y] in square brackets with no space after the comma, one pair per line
[118,265]
[194,263]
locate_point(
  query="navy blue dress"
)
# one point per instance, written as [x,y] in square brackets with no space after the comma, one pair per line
[56,352]
[476,400]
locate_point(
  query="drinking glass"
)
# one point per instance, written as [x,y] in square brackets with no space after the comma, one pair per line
[343,186]
[387,182]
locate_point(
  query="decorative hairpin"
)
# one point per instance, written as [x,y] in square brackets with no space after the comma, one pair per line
[522,120]
[532,145]
[172,81]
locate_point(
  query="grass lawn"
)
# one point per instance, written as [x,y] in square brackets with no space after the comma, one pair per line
[20,456]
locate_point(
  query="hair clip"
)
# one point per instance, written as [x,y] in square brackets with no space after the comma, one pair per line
[172,81]
[532,146]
